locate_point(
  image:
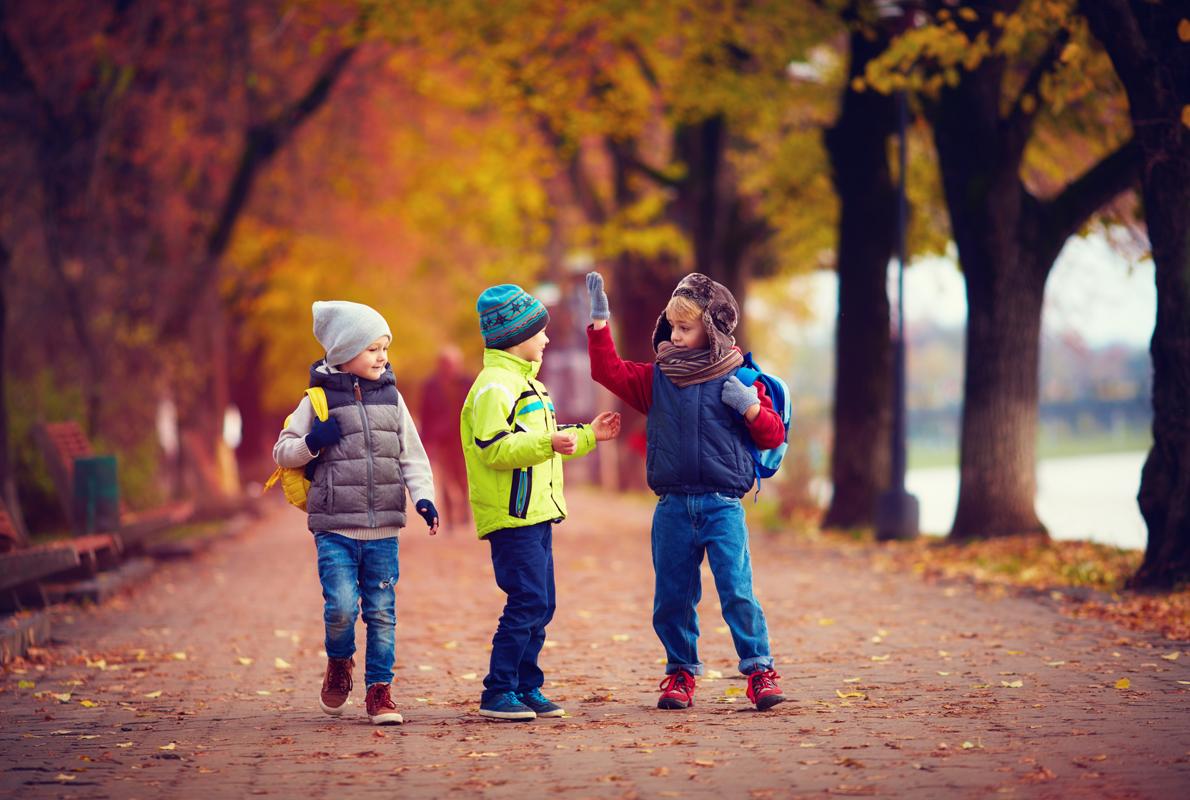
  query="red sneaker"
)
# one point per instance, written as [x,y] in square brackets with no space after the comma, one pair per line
[763,689]
[677,690]
[336,685]
[381,708]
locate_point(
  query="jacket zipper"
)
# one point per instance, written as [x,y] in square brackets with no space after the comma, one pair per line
[363,416]
[545,409]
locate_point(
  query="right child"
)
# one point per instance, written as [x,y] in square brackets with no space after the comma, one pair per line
[699,465]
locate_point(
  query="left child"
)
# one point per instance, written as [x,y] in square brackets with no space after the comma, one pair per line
[360,461]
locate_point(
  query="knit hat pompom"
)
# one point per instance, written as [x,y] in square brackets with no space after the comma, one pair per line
[508,315]
[345,329]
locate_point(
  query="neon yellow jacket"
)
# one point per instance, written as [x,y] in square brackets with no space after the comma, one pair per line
[513,474]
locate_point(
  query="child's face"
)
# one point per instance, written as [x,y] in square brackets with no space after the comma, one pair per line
[533,348]
[371,362]
[687,333]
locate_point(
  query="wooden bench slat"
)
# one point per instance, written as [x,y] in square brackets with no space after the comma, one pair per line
[33,563]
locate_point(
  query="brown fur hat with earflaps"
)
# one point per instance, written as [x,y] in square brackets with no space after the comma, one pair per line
[720,313]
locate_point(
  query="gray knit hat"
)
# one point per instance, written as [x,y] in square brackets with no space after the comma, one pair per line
[345,329]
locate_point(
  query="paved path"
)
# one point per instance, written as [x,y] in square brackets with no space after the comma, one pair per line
[203,683]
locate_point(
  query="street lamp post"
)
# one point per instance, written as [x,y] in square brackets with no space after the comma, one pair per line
[897,511]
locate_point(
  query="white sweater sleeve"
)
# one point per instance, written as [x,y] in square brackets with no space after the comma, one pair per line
[290,449]
[415,464]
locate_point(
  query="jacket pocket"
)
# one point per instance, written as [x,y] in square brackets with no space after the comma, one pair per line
[520,492]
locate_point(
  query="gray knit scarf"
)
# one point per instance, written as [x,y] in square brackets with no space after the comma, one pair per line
[686,367]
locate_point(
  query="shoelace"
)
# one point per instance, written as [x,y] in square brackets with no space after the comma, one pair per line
[675,681]
[511,699]
[339,678]
[381,697]
[764,680]
[537,697]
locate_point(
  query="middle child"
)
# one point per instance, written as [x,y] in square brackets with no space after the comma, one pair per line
[514,449]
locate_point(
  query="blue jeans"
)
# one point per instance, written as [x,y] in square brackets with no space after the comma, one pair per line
[684,527]
[355,572]
[523,560]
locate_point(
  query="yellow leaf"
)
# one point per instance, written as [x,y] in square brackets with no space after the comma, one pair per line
[25,684]
[880,658]
[101,664]
[170,746]
[424,668]
[703,762]
[451,645]
[244,660]
[851,680]
[943,674]
[714,675]
[733,691]
[824,621]
[1184,30]
[620,637]
[281,663]
[967,745]
[62,776]
[1012,684]
[968,14]
[179,656]
[843,694]
[1123,683]
[1015,652]
[263,692]
[1054,663]
[154,694]
[88,703]
[469,676]
[124,744]
[64,697]
[1184,683]
[1172,656]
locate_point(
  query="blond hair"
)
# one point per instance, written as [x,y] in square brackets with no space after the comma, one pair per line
[683,309]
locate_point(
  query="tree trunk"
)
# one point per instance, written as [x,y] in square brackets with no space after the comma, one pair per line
[8,485]
[857,146]
[1143,42]
[1005,277]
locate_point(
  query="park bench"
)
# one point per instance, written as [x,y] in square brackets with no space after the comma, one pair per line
[62,445]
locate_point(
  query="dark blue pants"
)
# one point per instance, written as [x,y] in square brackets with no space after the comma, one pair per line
[523,559]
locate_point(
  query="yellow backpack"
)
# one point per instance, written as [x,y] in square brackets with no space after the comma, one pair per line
[293,480]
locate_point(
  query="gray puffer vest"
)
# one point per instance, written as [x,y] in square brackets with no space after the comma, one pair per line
[357,482]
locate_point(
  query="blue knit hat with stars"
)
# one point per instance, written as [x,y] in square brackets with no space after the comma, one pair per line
[508,315]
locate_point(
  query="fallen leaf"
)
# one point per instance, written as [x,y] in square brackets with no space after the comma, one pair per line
[851,680]
[880,658]
[88,703]
[179,656]
[968,745]
[1123,683]
[62,776]
[620,637]
[1012,684]
[244,660]
[25,684]
[64,697]
[264,692]
[713,675]
[1015,652]
[124,744]
[824,621]
[425,668]
[170,746]
[850,694]
[469,676]
[154,694]
[1054,663]
[733,691]
[943,674]
[703,762]
[451,645]
[281,663]
[1172,656]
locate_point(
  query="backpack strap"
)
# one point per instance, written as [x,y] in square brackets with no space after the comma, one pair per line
[317,397]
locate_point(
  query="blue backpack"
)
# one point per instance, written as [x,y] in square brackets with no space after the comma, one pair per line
[766,462]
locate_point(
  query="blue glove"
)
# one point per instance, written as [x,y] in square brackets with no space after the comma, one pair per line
[599,306]
[427,511]
[323,434]
[738,396]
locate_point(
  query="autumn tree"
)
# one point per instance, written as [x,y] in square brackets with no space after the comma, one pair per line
[990,78]
[1149,46]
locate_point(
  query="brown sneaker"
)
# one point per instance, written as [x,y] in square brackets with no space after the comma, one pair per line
[381,708]
[336,685]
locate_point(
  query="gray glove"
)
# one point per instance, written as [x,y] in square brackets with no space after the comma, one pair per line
[599,306]
[738,396]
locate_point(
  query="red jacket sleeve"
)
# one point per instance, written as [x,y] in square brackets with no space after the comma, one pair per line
[767,429]
[631,381]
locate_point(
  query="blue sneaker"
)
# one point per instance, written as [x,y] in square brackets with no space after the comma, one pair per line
[506,706]
[542,706]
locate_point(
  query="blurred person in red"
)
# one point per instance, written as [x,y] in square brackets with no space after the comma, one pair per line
[442,398]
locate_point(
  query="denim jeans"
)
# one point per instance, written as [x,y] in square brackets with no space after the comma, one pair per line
[684,527]
[357,573]
[523,560]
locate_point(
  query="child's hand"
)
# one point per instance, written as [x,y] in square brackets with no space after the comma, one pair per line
[738,396]
[599,305]
[324,433]
[428,513]
[564,442]
[606,426]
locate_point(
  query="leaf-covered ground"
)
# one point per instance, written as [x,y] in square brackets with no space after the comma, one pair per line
[204,683]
